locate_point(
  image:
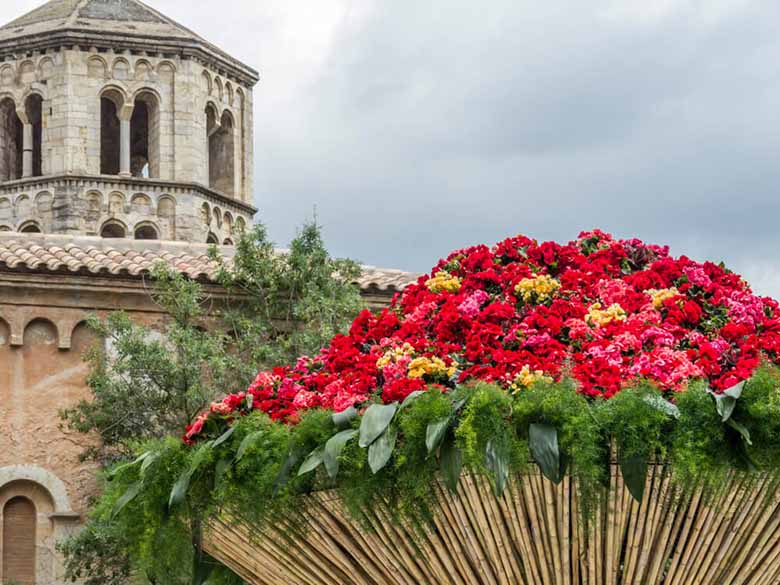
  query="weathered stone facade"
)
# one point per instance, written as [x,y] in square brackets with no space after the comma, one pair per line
[116,124]
[117,127]
[104,123]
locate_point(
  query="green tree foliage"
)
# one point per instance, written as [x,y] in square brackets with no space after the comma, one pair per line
[146,384]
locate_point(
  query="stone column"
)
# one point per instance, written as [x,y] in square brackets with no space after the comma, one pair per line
[27,142]
[125,115]
[27,151]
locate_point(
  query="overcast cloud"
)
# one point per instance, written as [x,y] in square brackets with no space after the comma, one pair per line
[420,126]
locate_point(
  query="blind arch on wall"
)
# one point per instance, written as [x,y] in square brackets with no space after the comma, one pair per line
[19,519]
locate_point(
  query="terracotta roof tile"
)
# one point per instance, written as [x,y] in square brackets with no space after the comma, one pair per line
[93,255]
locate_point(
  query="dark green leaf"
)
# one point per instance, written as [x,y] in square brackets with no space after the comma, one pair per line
[130,494]
[179,491]
[139,459]
[741,429]
[458,404]
[293,457]
[497,463]
[381,450]
[435,433]
[333,449]
[376,419]
[411,398]
[225,436]
[451,459]
[246,443]
[543,442]
[660,403]
[313,461]
[343,418]
[634,471]
[726,401]
[151,458]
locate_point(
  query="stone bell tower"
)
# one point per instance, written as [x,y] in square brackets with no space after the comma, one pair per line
[116,121]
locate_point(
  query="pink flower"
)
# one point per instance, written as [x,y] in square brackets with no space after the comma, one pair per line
[473,304]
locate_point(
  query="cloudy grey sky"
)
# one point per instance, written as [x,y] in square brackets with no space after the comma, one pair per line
[416,127]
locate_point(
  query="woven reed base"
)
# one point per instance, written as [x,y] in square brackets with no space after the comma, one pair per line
[532,535]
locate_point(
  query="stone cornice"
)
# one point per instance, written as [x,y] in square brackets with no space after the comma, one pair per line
[184,47]
[112,182]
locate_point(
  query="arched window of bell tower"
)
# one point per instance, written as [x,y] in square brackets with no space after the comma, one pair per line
[221,146]
[111,102]
[145,136]
[11,140]
[33,106]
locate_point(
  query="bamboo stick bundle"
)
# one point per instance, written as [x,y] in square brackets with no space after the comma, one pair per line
[532,535]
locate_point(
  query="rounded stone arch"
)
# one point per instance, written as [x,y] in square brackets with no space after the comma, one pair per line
[206,82]
[166,64]
[6,228]
[116,202]
[33,108]
[228,242]
[228,119]
[45,68]
[30,227]
[35,508]
[212,113]
[116,93]
[44,206]
[113,101]
[218,89]
[83,337]
[145,133]
[166,207]
[11,137]
[7,75]
[212,239]
[94,201]
[205,213]
[143,70]
[97,67]
[27,71]
[227,220]
[229,93]
[31,474]
[22,205]
[120,69]
[141,203]
[240,225]
[146,230]
[217,214]
[114,229]
[6,209]
[40,331]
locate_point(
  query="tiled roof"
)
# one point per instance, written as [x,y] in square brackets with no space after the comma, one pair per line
[63,254]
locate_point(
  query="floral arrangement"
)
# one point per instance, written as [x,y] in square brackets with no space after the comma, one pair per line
[602,311]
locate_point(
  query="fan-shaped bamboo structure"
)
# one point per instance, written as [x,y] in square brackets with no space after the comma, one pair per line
[532,535]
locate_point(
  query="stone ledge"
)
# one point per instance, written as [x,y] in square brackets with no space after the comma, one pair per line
[137,183]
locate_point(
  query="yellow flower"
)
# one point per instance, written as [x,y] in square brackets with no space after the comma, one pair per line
[527,378]
[660,295]
[598,317]
[443,281]
[394,355]
[541,287]
[434,366]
